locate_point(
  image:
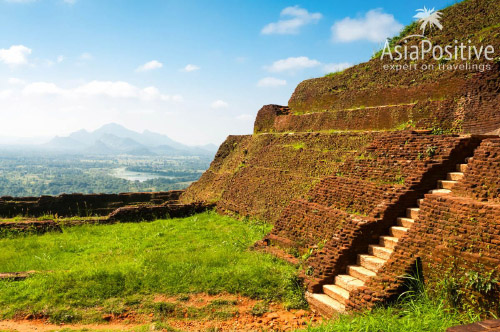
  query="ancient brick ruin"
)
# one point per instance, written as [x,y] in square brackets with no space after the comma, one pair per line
[368,175]
[371,175]
[92,209]
[68,205]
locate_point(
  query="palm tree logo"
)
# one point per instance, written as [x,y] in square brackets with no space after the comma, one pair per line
[429,17]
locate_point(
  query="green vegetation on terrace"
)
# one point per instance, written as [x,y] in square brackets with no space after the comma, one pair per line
[88,271]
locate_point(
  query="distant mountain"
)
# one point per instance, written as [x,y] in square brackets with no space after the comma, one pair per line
[147,138]
[99,148]
[114,139]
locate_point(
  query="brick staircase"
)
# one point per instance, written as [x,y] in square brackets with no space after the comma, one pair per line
[334,296]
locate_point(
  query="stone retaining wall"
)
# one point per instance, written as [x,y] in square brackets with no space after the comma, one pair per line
[69,205]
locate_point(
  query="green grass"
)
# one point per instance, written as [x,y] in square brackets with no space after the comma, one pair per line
[417,316]
[95,269]
[420,315]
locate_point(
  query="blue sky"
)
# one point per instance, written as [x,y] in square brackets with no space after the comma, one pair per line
[194,70]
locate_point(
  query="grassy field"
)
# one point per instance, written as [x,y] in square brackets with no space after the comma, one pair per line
[88,270]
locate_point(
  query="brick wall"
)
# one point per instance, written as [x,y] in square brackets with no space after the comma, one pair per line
[483,175]
[28,227]
[456,238]
[259,175]
[469,105]
[154,212]
[420,115]
[352,209]
[68,205]
[215,180]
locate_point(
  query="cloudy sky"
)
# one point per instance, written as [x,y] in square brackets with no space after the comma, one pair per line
[194,70]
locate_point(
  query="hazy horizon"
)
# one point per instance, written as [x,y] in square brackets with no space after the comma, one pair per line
[40,140]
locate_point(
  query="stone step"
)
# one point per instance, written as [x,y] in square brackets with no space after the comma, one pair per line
[388,241]
[462,167]
[412,213]
[406,222]
[398,231]
[440,191]
[360,272]
[324,304]
[337,293]
[446,184]
[379,251]
[370,262]
[455,176]
[419,202]
[348,282]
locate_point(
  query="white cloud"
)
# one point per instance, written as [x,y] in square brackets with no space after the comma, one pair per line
[190,68]
[60,58]
[375,26]
[335,67]
[116,89]
[43,88]
[16,81]
[296,18]
[270,82]
[4,94]
[152,93]
[86,56]
[151,65]
[218,104]
[292,64]
[15,55]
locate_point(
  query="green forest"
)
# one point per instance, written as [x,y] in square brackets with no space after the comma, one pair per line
[26,174]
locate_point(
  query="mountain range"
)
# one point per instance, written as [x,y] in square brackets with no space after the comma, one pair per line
[114,139]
